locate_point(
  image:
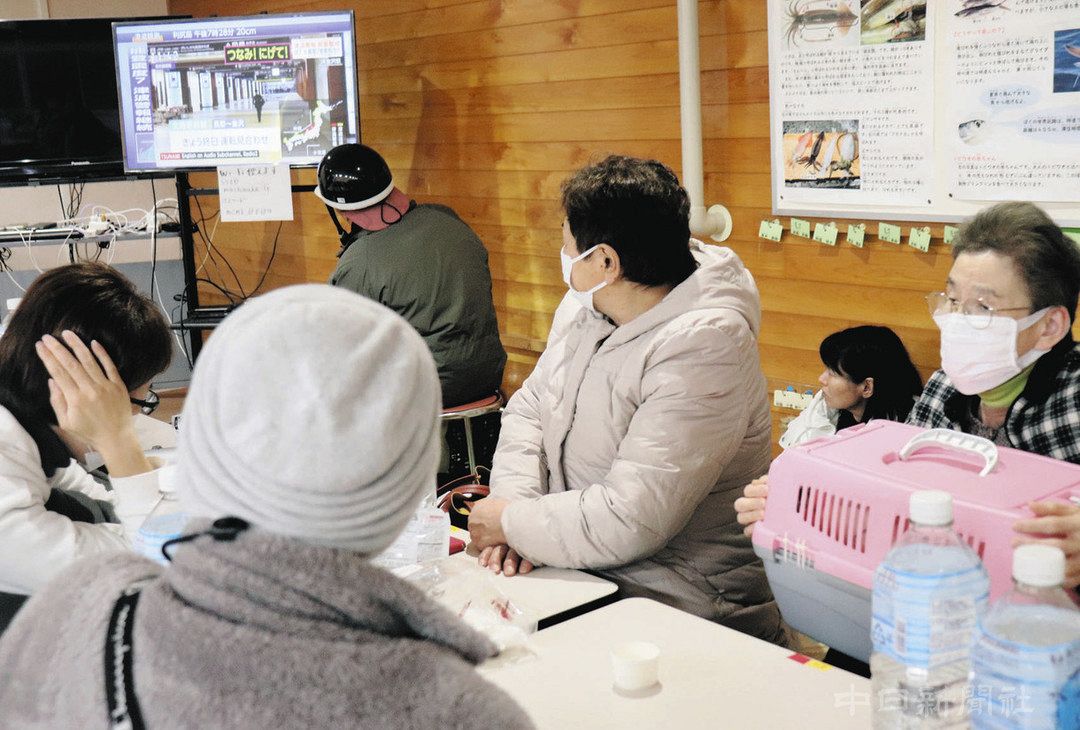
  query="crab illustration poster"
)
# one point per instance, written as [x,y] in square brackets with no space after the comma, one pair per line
[1012,126]
[851,110]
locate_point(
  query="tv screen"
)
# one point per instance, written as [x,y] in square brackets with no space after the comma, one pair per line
[58,114]
[252,90]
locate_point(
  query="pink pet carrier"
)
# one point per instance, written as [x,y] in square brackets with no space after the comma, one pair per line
[837,504]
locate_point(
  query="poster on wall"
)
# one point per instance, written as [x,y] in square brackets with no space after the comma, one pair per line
[1012,76]
[851,104]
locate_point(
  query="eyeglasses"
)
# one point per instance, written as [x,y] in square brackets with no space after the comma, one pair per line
[147,405]
[977,314]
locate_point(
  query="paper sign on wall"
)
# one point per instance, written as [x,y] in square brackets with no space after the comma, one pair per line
[919,238]
[799,227]
[255,193]
[825,233]
[888,232]
[771,230]
[856,234]
[950,231]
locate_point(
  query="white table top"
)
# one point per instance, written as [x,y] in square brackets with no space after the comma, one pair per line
[710,677]
[543,593]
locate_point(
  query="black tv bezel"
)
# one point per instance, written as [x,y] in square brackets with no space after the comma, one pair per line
[41,171]
[169,171]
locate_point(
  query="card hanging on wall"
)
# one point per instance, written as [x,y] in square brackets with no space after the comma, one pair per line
[771,230]
[889,233]
[825,233]
[950,232]
[255,193]
[800,228]
[856,234]
[919,238]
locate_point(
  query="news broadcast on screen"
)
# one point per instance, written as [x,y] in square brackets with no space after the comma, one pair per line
[252,90]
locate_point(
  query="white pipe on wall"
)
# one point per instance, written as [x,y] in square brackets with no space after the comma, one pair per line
[714,222]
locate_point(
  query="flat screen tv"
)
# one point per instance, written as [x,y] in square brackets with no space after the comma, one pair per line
[262,89]
[58,113]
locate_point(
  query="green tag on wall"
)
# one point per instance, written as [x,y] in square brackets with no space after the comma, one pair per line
[825,233]
[950,232]
[799,227]
[771,230]
[856,234]
[919,238]
[888,232]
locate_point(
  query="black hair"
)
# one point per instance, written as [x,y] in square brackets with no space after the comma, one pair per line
[1046,259]
[96,302]
[639,209]
[865,352]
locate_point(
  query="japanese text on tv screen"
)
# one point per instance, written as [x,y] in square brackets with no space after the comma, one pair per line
[257,90]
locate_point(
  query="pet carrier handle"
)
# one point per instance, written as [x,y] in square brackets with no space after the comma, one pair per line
[957,440]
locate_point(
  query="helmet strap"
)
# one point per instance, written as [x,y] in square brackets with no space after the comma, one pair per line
[346,237]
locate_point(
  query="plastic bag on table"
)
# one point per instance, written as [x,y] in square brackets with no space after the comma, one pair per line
[476,598]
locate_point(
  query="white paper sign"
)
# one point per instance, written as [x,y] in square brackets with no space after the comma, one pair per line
[255,193]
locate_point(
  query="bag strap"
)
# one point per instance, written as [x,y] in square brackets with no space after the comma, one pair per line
[124,712]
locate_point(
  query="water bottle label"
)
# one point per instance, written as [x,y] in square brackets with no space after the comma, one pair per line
[1026,685]
[926,621]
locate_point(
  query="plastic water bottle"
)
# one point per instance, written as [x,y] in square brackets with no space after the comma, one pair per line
[165,522]
[928,595]
[1026,657]
[426,537]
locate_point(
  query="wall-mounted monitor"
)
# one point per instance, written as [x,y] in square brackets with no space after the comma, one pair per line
[58,109]
[261,89]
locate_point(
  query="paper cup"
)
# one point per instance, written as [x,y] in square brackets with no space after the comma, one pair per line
[635,665]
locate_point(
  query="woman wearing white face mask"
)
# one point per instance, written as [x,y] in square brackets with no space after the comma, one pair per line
[625,449]
[1010,368]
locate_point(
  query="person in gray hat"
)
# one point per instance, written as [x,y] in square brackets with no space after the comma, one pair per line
[309,439]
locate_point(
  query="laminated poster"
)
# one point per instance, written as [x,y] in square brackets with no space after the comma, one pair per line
[1012,81]
[852,105]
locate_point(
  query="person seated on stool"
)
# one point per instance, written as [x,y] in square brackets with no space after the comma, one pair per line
[625,448]
[76,361]
[309,437]
[423,262]
[1010,369]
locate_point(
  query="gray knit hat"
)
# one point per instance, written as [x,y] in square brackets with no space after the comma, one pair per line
[312,413]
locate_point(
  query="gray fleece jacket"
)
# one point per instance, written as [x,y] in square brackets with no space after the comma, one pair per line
[260,632]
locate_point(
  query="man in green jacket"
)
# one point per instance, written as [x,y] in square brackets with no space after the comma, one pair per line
[423,262]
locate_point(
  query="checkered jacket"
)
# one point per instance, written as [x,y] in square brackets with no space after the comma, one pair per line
[1045,419]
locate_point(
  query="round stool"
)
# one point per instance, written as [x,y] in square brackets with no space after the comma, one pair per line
[468,411]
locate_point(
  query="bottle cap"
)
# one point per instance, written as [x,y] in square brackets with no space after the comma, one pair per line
[930,507]
[1039,565]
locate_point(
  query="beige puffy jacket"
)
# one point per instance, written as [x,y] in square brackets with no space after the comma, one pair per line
[626,448]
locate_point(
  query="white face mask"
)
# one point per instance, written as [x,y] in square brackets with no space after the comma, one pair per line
[977,360]
[585,297]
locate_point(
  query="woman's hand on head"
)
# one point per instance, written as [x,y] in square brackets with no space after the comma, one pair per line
[750,508]
[1056,524]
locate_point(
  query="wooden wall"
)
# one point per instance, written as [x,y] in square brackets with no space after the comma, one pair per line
[487,105]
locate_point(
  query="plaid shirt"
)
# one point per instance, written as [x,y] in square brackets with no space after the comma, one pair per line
[1044,420]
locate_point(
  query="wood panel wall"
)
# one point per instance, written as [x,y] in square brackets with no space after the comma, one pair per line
[487,105]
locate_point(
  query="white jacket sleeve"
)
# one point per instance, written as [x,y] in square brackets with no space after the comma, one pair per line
[35,544]
[696,394]
[816,420]
[519,469]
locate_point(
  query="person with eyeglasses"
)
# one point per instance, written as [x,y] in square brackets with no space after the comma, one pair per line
[1010,369]
[76,361]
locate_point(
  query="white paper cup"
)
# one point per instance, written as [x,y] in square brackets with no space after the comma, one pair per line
[635,665]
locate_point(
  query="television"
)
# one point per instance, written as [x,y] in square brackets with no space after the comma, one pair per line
[58,118]
[262,89]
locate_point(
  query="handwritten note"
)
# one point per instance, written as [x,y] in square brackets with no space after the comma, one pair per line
[255,193]
[919,238]
[888,232]
[771,230]
[825,233]
[950,231]
[799,227]
[856,234]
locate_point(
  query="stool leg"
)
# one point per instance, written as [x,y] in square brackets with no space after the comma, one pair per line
[469,445]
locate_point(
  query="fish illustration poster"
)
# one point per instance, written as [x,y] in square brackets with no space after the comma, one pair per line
[851,111]
[1012,125]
